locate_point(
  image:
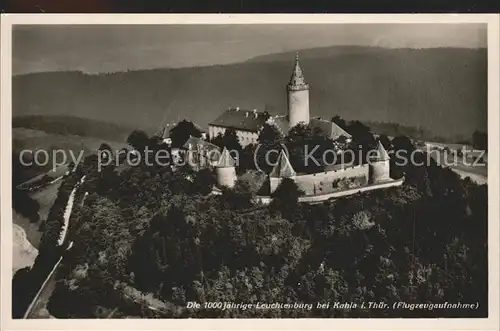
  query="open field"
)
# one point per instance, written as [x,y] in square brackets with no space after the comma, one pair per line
[70,145]
[45,197]
[29,139]
[478,173]
[24,253]
[477,178]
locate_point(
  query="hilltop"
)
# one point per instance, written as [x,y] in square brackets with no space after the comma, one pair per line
[443,90]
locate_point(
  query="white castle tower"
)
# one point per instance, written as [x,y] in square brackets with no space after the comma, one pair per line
[225,170]
[380,167]
[298,97]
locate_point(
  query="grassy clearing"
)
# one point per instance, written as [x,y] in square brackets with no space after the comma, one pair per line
[45,198]
[24,253]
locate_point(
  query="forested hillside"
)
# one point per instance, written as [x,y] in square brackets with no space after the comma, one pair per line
[148,240]
[440,90]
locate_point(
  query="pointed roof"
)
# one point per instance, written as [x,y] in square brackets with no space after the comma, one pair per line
[331,129]
[192,143]
[297,81]
[283,168]
[162,133]
[382,154]
[225,160]
[165,134]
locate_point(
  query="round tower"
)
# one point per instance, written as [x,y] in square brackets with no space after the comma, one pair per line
[380,166]
[225,170]
[298,97]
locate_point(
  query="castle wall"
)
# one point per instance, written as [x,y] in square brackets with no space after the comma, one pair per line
[226,176]
[298,107]
[379,171]
[341,194]
[321,183]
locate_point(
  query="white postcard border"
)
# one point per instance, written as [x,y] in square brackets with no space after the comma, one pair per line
[491,323]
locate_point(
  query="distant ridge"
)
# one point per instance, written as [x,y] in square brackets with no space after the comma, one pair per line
[325,52]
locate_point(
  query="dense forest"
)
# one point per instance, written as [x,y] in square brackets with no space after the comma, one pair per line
[148,239]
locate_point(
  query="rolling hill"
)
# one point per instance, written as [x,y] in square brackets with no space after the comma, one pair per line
[443,90]
[33,140]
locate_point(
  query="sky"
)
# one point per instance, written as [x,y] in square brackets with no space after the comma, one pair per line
[109,48]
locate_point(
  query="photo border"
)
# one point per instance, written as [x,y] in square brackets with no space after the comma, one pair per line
[490,323]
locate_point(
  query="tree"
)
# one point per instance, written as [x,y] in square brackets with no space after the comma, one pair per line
[239,197]
[480,140]
[181,132]
[138,140]
[269,135]
[204,181]
[301,141]
[385,141]
[286,198]
[264,155]
[339,121]
[230,141]
[105,147]
[246,161]
[25,204]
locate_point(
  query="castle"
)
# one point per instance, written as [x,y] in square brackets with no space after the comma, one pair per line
[333,180]
[248,123]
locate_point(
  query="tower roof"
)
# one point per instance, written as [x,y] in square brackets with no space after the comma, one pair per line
[162,133]
[297,81]
[283,168]
[165,133]
[381,153]
[225,160]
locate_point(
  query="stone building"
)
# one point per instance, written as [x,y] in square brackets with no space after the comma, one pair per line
[246,123]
